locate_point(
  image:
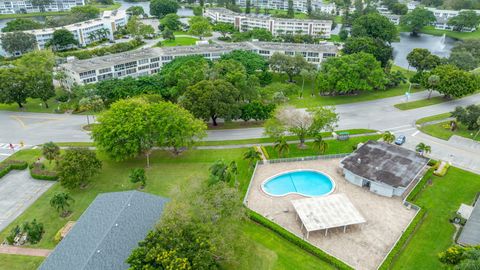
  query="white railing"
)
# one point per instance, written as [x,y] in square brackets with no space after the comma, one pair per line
[284,160]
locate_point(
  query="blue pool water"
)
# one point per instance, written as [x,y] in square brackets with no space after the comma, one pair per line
[305,182]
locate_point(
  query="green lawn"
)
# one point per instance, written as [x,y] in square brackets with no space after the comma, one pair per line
[179,41]
[457,35]
[309,101]
[166,173]
[334,147]
[273,252]
[420,103]
[438,130]
[433,118]
[32,105]
[19,262]
[441,199]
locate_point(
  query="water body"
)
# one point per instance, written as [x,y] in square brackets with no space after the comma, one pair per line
[438,45]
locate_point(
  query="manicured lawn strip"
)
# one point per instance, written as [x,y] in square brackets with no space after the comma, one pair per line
[75,144]
[406,72]
[457,35]
[433,118]
[19,262]
[438,130]
[420,103]
[270,140]
[272,251]
[334,147]
[440,199]
[179,41]
[236,124]
[297,241]
[32,105]
[309,101]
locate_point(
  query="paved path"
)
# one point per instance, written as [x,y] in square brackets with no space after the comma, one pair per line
[24,251]
[18,190]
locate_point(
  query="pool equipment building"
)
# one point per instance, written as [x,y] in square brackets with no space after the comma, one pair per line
[386,169]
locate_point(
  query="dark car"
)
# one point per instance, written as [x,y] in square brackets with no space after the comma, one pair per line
[400,140]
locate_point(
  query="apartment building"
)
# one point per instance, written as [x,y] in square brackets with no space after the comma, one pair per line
[84,32]
[245,22]
[25,6]
[150,60]
[298,5]
[443,15]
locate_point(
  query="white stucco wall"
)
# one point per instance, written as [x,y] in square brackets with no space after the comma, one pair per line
[381,189]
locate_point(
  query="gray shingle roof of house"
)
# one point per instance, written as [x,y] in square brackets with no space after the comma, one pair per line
[386,163]
[470,235]
[107,232]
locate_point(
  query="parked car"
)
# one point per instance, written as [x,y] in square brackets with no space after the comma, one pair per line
[400,140]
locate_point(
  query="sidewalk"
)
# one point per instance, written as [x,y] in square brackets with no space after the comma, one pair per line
[24,251]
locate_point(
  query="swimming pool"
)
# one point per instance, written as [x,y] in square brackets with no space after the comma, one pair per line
[304,182]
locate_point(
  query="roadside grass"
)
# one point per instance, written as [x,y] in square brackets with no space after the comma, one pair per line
[32,105]
[17,262]
[406,72]
[310,101]
[433,118]
[165,175]
[179,41]
[334,147]
[441,199]
[439,131]
[420,103]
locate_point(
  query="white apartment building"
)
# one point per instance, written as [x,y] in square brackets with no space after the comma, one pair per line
[443,15]
[150,61]
[83,31]
[245,22]
[25,6]
[298,5]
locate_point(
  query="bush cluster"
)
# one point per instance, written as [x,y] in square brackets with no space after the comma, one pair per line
[8,165]
[297,241]
[38,171]
[116,48]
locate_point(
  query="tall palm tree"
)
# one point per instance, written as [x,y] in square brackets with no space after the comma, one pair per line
[388,137]
[423,149]
[252,155]
[61,202]
[320,145]
[281,146]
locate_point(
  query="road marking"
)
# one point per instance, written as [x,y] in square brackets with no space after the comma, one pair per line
[19,120]
[403,130]
[394,128]
[416,132]
[2,154]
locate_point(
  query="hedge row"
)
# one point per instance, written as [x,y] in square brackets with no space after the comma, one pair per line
[297,241]
[420,186]
[38,171]
[399,246]
[8,165]
[443,171]
[116,48]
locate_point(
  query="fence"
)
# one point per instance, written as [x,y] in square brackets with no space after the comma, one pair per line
[284,160]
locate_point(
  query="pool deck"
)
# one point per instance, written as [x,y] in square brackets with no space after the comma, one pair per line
[362,246]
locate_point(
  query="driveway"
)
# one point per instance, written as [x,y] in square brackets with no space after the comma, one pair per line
[17,192]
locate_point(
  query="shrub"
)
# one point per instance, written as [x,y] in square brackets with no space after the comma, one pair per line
[453,255]
[265,152]
[38,171]
[33,230]
[8,165]
[296,240]
[116,48]
[137,175]
[443,171]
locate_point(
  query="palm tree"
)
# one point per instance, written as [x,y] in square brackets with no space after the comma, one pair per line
[320,145]
[281,146]
[61,202]
[423,149]
[252,155]
[388,137]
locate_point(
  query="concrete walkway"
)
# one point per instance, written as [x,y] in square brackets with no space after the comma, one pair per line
[24,251]
[18,190]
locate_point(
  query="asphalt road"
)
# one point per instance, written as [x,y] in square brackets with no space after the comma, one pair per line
[37,128]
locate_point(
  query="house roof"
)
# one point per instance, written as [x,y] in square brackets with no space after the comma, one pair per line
[470,235]
[386,163]
[107,232]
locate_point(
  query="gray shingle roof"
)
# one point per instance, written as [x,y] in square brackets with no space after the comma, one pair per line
[470,235]
[107,232]
[385,163]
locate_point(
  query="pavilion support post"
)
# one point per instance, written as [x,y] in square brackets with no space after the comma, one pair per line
[308,234]
[344,228]
[326,232]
